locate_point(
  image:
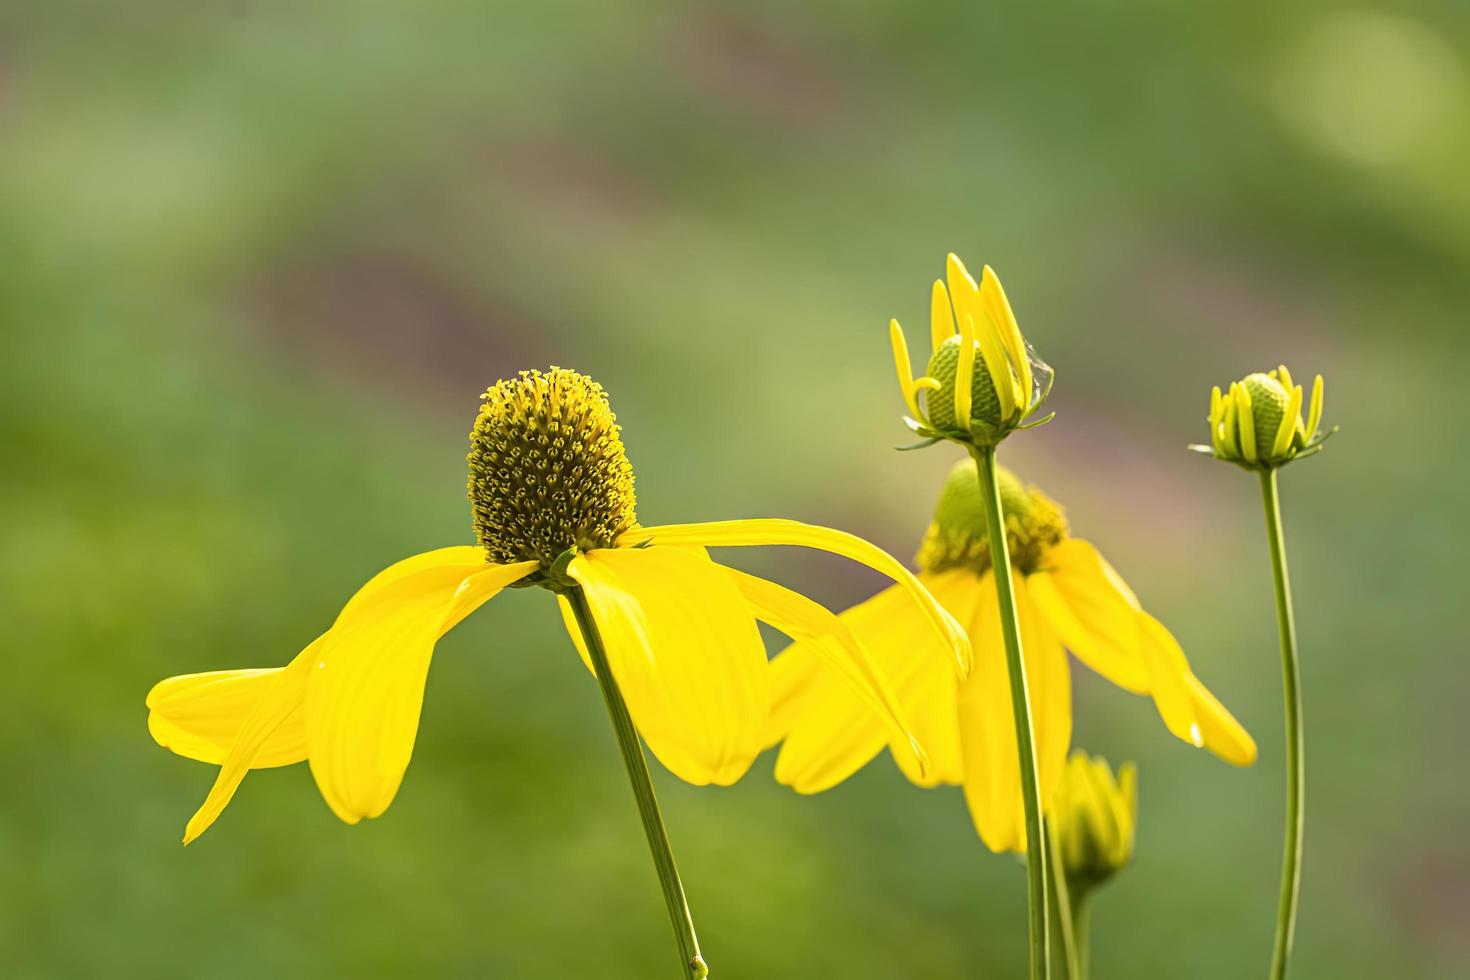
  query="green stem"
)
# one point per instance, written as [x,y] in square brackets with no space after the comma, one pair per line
[1000,561]
[1061,902]
[1081,931]
[1291,861]
[691,964]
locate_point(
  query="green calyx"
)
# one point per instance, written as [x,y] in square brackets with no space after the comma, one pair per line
[956,537]
[548,472]
[984,402]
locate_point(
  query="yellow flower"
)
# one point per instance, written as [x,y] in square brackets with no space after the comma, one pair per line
[1258,424]
[1093,816]
[1068,598]
[955,399]
[552,493]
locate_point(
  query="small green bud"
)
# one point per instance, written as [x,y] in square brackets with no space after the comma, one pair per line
[1258,424]
[984,402]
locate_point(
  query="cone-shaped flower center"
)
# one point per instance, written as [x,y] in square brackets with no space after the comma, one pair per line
[1268,406]
[943,366]
[957,538]
[547,468]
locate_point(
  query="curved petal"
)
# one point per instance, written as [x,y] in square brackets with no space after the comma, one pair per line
[684,648]
[775,531]
[834,642]
[367,683]
[987,726]
[1093,611]
[279,700]
[987,733]
[1223,735]
[569,620]
[1168,679]
[198,716]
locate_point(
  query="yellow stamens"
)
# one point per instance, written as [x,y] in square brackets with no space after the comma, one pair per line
[547,468]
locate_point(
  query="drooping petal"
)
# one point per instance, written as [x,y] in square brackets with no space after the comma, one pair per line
[987,724]
[1223,735]
[279,700]
[831,733]
[833,642]
[1093,611]
[1049,678]
[367,683]
[569,620]
[199,715]
[987,733]
[685,651]
[774,531]
[1168,676]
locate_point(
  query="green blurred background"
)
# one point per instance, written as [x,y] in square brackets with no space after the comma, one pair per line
[258,260]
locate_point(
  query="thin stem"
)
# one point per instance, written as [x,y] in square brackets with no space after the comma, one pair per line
[1291,861]
[1081,917]
[1061,902]
[1000,561]
[691,964]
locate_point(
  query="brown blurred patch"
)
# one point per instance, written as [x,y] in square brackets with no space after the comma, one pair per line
[568,183]
[741,61]
[383,319]
[1429,894]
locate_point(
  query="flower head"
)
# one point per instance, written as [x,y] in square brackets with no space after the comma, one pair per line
[1069,599]
[1093,816]
[1258,424]
[552,497]
[983,379]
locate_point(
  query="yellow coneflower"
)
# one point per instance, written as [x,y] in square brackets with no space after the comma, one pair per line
[553,502]
[1068,598]
[1258,426]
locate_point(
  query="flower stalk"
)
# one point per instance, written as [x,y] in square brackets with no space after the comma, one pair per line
[1291,862]
[1062,898]
[691,963]
[1036,850]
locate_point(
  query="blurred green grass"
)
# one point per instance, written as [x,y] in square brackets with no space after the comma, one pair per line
[260,261]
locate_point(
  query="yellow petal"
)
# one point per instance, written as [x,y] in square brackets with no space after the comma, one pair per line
[941,316]
[1093,611]
[832,733]
[281,698]
[992,352]
[688,656]
[1223,735]
[1243,412]
[465,556]
[1049,679]
[569,620]
[964,376]
[904,368]
[367,685]
[988,736]
[1290,419]
[987,723]
[198,716]
[1314,414]
[998,308]
[834,642]
[774,531]
[1168,679]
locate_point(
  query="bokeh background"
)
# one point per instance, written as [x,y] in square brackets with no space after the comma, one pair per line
[258,260]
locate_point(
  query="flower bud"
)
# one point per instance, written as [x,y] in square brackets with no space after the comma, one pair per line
[1093,817]
[1258,424]
[983,380]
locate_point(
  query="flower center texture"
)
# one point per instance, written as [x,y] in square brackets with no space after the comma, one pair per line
[547,468]
[984,402]
[1269,400]
[957,537]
